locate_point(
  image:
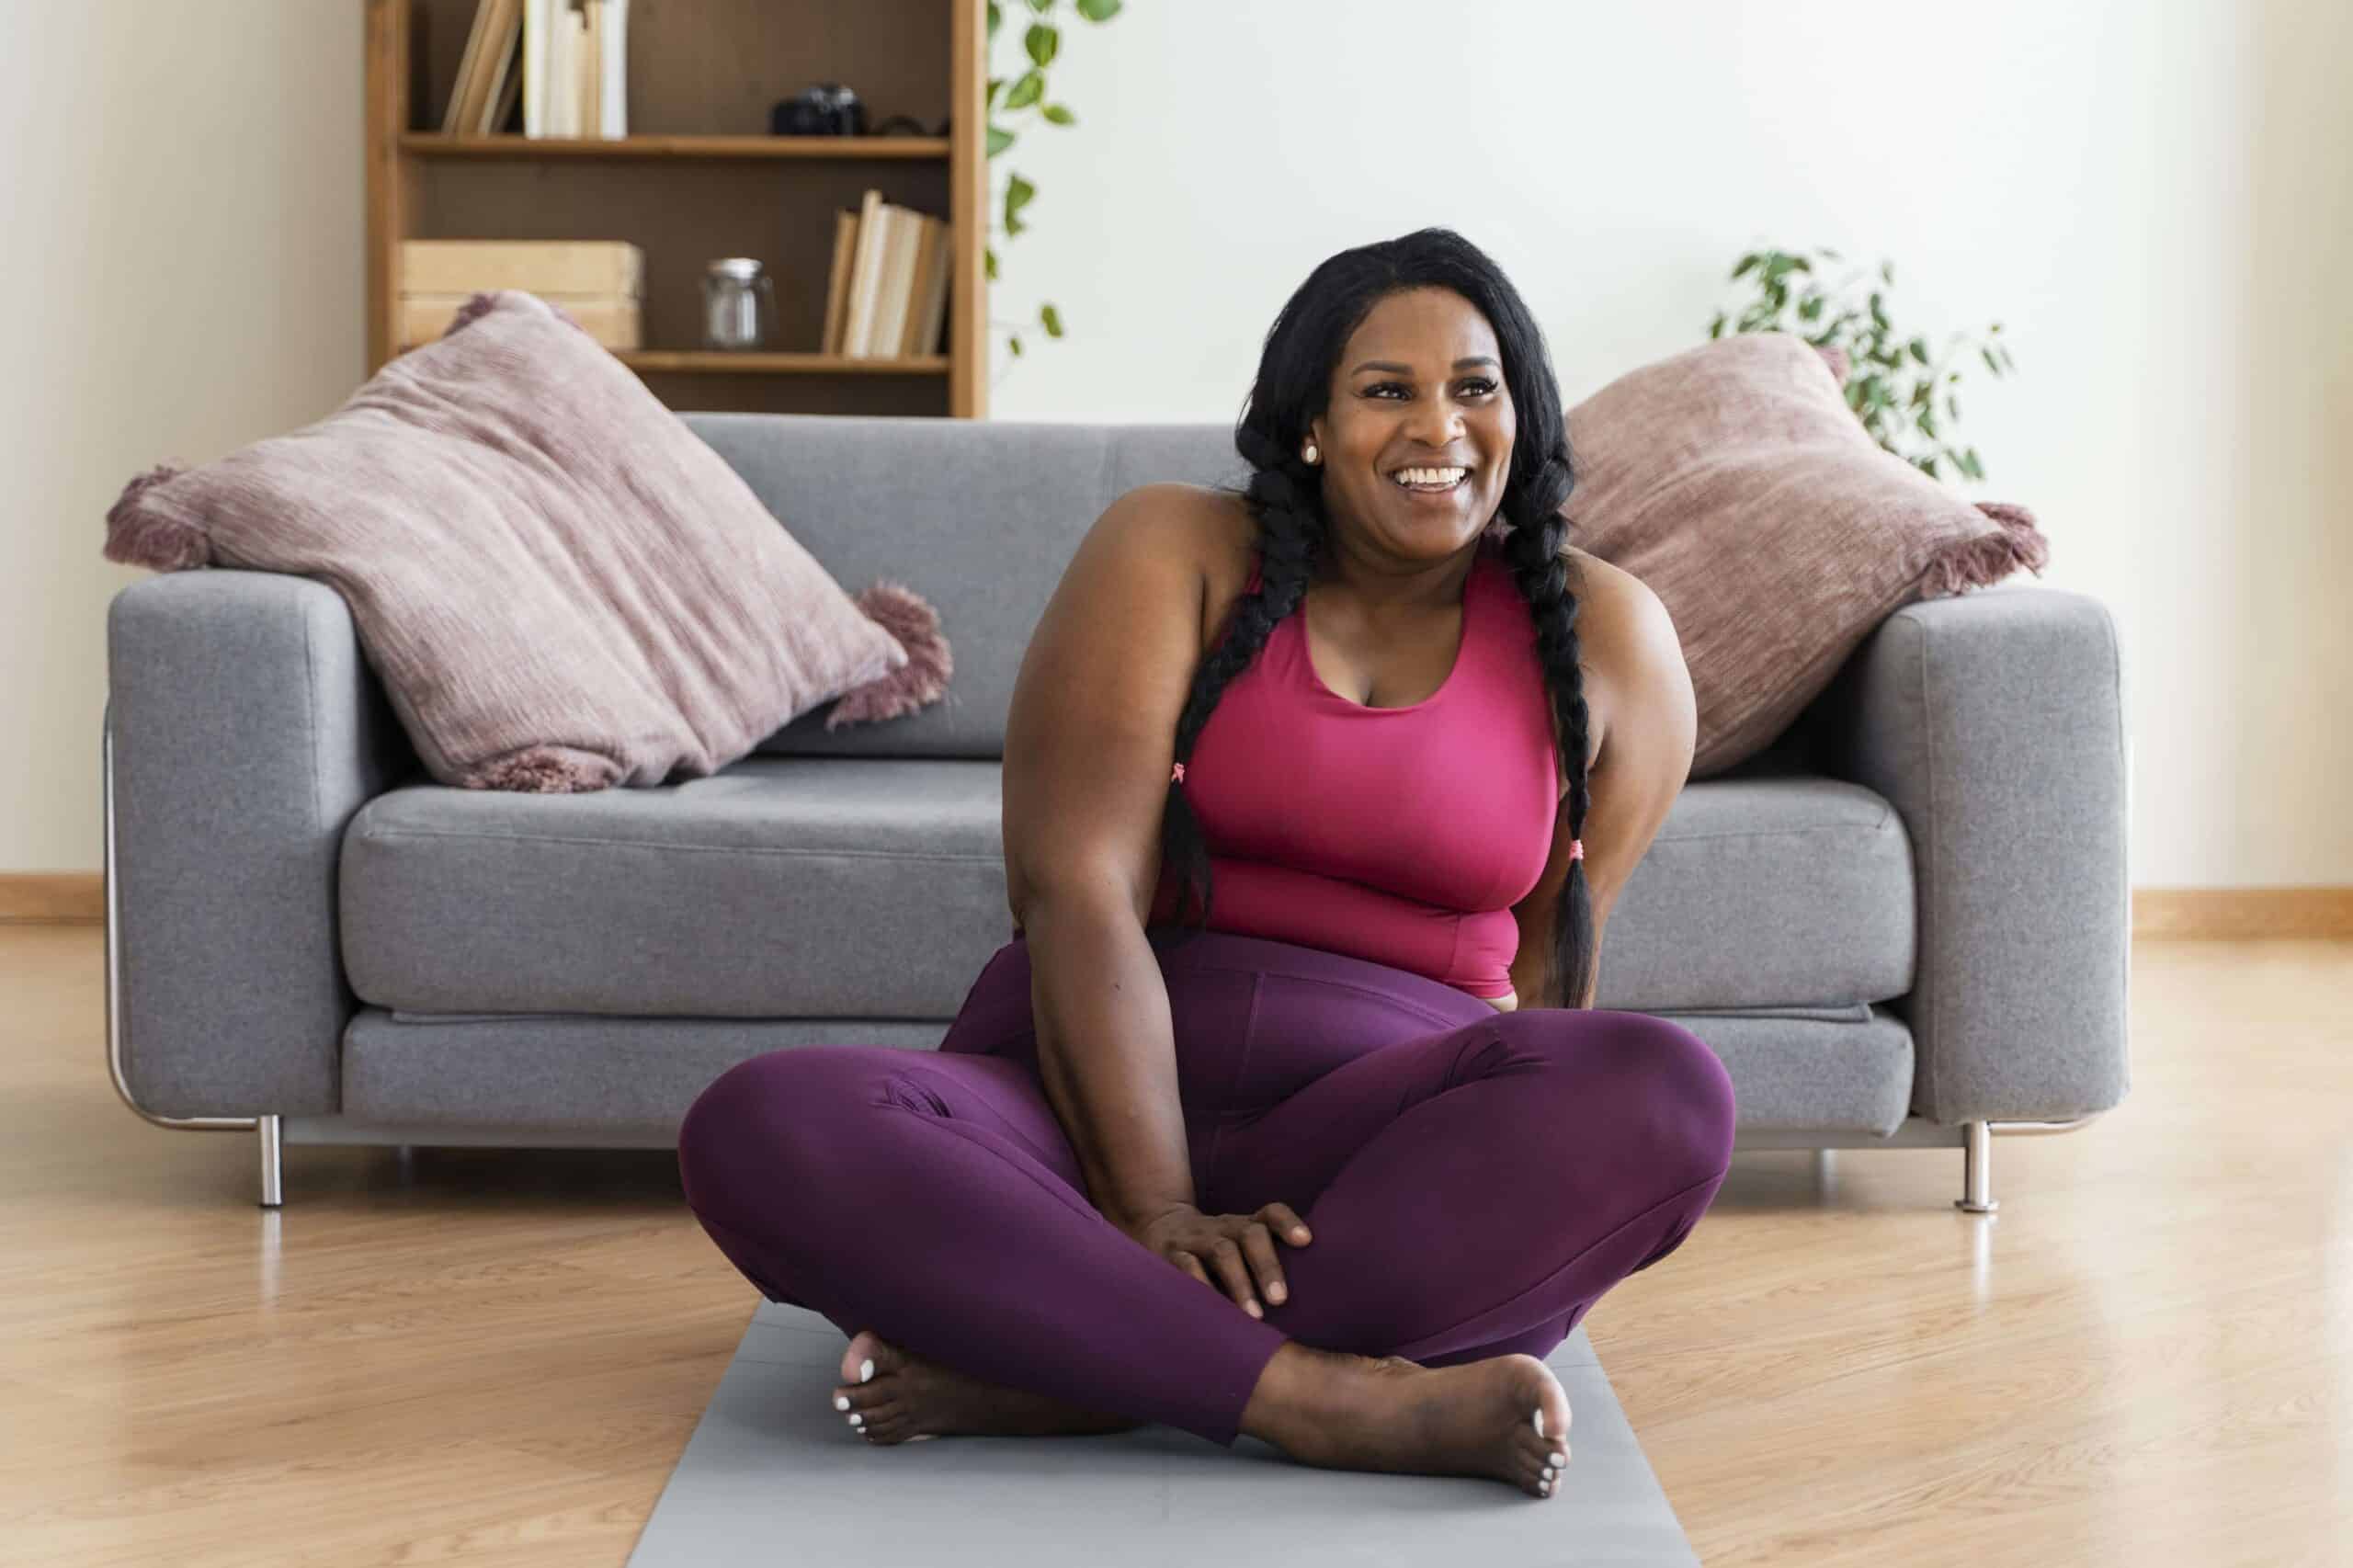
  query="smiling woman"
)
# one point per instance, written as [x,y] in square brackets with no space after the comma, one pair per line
[1353,688]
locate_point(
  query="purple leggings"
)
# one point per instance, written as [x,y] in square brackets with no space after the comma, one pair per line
[1473,1180]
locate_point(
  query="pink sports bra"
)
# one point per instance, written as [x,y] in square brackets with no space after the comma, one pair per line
[1399,834]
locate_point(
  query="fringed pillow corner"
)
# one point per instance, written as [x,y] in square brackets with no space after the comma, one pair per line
[1987,559]
[913,624]
[143,531]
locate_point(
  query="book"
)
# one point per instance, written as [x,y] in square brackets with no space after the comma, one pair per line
[591,67]
[918,280]
[487,109]
[864,271]
[837,280]
[612,50]
[931,306]
[510,93]
[539,29]
[563,79]
[903,229]
[453,117]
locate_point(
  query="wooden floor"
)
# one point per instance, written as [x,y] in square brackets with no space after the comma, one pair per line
[494,1356]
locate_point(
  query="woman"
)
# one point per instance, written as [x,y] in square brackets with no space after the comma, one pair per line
[1317,794]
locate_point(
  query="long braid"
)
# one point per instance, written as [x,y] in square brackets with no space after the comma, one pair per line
[1291,539]
[1541,569]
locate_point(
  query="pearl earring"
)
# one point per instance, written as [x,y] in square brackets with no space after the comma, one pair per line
[1309,452]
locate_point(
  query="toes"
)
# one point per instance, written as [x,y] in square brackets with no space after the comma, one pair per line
[866,1409]
[1541,1452]
[868,1357]
[1544,1462]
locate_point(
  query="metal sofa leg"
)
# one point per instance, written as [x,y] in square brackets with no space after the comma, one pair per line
[273,1169]
[1976,1169]
[1977,1151]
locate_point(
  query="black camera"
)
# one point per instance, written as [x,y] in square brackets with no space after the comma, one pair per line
[828,109]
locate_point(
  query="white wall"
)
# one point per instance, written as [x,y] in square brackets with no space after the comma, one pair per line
[2152,197]
[182,275]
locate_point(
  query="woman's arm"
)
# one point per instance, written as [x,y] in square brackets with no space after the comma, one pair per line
[1088,743]
[1635,675]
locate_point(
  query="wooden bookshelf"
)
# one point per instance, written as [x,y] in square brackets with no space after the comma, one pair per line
[700,177]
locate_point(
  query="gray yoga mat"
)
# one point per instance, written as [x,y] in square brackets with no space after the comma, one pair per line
[772,1474]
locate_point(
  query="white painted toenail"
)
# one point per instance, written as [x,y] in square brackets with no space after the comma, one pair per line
[857,1420]
[1540,1420]
[866,1374]
[841,1401]
[1559,1460]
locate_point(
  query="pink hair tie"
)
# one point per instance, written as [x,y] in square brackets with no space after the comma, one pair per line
[1577,848]
[1178,776]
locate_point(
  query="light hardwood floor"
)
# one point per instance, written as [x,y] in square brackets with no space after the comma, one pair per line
[493,1356]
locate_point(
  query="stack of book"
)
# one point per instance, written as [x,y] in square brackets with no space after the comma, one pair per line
[887,298]
[566,61]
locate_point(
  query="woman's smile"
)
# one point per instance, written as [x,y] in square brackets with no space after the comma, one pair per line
[1438,485]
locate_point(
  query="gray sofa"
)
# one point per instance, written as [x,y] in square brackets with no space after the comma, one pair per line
[1903,927]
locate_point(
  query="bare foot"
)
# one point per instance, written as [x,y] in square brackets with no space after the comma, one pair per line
[909,1398]
[1355,1413]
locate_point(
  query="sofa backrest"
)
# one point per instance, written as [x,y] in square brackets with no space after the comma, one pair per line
[980,517]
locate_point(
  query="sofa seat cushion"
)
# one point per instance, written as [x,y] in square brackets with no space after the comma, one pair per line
[834,887]
[1766,893]
[779,886]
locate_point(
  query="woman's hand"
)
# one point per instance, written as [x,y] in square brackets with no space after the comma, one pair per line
[1235,1245]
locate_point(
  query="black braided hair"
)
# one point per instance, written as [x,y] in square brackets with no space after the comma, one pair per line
[1285,496]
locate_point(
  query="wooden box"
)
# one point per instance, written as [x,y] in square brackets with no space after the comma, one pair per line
[599,283]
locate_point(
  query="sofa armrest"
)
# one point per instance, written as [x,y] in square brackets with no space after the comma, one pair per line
[246,729]
[1994,722]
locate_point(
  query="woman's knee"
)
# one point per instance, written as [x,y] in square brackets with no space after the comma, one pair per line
[1642,1060]
[1694,1070]
[776,1123]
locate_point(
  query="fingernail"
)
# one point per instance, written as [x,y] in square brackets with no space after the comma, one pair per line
[841,1401]
[866,1374]
[1300,1231]
[1273,1292]
[1252,1308]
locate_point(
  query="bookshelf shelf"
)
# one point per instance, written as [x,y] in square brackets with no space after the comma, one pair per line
[433,144]
[700,178]
[745,362]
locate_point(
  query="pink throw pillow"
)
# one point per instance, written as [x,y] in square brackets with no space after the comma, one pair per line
[561,586]
[1734,480]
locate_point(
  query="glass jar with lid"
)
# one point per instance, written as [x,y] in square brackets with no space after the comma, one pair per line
[738,304]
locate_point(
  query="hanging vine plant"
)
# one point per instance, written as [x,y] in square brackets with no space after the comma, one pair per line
[1025,94]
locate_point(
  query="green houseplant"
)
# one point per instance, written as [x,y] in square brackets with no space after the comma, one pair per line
[1894,383]
[1042,43]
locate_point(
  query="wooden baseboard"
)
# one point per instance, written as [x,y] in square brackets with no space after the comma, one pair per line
[2156,912]
[2243,912]
[52,895]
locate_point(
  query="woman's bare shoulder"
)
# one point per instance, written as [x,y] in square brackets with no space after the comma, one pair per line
[1215,528]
